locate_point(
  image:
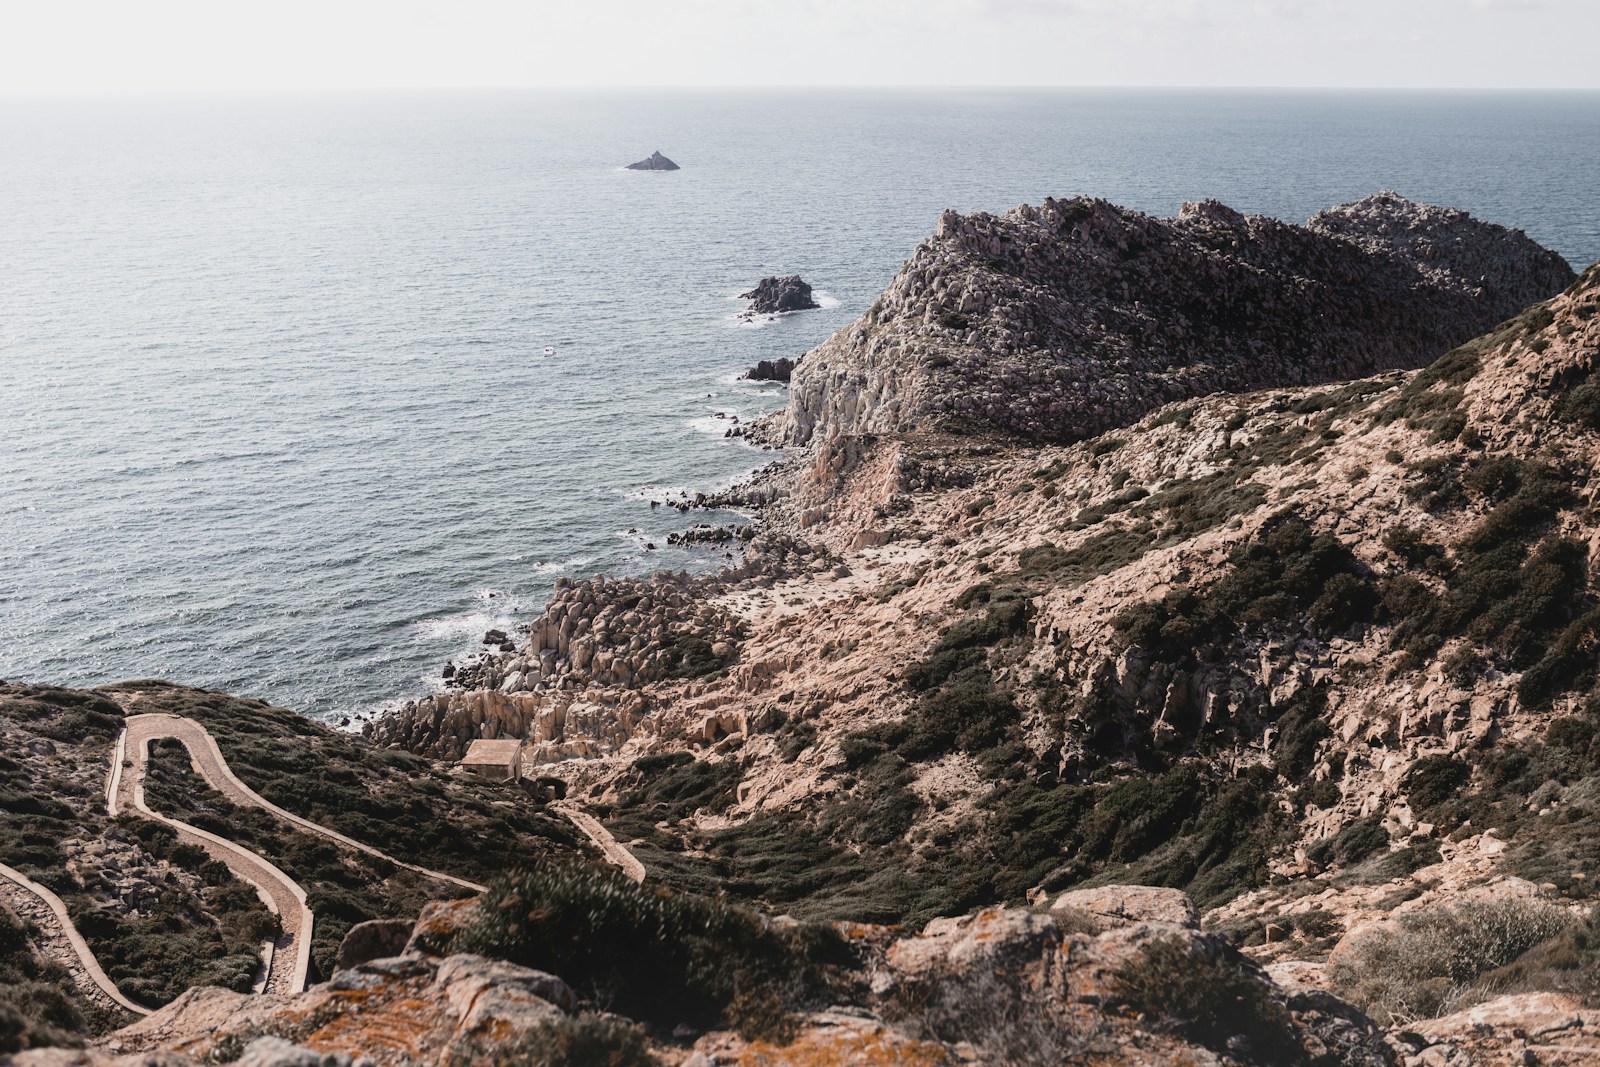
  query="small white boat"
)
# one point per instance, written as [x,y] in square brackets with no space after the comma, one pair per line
[549,351]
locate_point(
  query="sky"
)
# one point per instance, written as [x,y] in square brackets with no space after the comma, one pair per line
[208,46]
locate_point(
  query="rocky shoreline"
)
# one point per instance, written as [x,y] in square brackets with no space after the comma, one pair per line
[895,574]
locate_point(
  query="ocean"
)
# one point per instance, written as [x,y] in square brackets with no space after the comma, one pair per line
[276,411]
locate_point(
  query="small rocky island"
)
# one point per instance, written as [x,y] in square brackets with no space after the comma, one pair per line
[775,296]
[657,161]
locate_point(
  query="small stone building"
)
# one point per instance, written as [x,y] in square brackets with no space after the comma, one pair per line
[500,759]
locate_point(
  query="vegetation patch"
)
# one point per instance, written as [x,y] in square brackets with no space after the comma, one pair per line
[657,955]
[1212,996]
[39,1006]
[586,1039]
[1288,573]
[1434,960]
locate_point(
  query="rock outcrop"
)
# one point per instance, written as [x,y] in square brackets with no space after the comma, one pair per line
[1066,320]
[776,296]
[999,986]
[573,687]
[772,370]
[656,161]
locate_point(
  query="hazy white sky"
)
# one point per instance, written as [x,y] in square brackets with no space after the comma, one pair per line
[204,45]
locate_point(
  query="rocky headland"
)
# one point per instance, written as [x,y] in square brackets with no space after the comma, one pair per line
[1038,721]
[1067,320]
[1276,648]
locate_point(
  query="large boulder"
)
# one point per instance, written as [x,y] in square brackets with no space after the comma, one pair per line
[373,940]
[1124,905]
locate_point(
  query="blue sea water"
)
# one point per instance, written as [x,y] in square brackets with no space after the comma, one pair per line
[275,413]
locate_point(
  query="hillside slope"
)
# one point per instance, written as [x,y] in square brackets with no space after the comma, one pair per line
[1334,643]
[161,916]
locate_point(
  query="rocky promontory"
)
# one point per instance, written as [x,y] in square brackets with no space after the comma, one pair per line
[1065,320]
[656,161]
[776,296]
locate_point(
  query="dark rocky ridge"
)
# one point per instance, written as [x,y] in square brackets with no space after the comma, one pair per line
[657,161]
[1066,320]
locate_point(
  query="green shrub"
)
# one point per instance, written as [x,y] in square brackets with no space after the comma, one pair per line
[38,1004]
[653,954]
[1209,994]
[996,1011]
[1432,780]
[1285,573]
[1352,844]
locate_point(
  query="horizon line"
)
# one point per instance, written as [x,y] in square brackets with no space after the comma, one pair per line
[269,90]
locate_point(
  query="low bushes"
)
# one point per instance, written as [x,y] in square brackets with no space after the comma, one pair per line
[584,1040]
[1209,994]
[38,1007]
[650,953]
[1429,962]
[1287,572]
[996,1011]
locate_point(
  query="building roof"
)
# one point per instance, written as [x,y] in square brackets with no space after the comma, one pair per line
[499,753]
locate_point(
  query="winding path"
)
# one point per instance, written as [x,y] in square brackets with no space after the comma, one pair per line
[60,938]
[282,895]
[207,759]
[286,961]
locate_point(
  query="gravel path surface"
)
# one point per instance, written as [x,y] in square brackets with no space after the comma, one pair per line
[615,853]
[288,960]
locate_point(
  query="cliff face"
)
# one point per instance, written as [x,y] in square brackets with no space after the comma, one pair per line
[1066,320]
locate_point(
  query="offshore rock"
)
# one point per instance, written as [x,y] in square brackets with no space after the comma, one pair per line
[769,370]
[1062,321]
[774,296]
[657,161]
